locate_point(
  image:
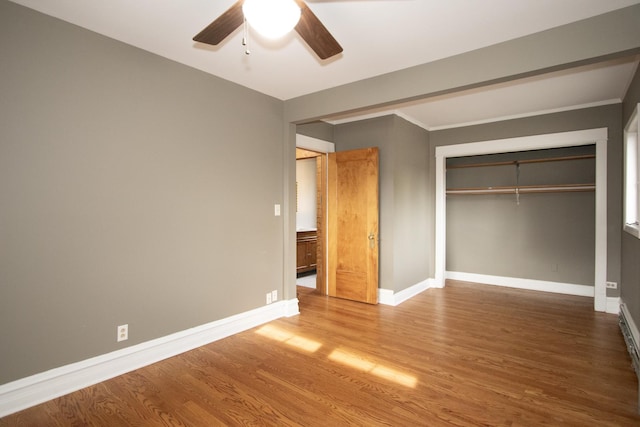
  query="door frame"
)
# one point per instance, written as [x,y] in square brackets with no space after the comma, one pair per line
[553,140]
[323,147]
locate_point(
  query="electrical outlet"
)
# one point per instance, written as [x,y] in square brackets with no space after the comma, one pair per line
[274,296]
[612,285]
[268,297]
[123,333]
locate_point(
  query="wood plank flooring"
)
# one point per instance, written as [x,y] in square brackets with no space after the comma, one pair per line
[465,355]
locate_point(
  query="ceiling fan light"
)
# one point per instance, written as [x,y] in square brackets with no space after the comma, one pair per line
[271,18]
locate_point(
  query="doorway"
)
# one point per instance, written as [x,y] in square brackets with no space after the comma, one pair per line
[307,147]
[310,218]
[345,239]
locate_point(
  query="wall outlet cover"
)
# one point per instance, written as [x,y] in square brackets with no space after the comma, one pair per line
[123,333]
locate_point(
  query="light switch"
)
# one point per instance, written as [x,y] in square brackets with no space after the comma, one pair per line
[276,210]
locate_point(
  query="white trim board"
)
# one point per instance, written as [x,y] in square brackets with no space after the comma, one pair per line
[26,392]
[314,144]
[633,328]
[612,307]
[535,142]
[389,297]
[519,283]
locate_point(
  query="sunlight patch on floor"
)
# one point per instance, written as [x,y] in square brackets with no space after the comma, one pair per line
[363,364]
[284,336]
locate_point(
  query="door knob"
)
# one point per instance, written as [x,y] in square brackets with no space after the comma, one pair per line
[372,240]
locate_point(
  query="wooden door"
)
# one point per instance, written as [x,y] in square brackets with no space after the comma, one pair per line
[353,225]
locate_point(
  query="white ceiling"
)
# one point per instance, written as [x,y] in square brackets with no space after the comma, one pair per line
[378,36]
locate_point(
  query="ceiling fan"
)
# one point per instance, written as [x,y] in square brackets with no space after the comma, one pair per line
[312,31]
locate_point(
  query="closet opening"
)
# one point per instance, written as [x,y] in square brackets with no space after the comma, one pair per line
[593,137]
[527,215]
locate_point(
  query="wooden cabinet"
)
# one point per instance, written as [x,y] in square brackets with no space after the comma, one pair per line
[307,246]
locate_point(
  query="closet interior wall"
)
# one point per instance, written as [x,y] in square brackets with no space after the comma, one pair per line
[527,215]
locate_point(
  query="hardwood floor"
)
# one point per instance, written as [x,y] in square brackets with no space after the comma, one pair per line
[465,355]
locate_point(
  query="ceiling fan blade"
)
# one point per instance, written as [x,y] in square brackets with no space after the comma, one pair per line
[316,34]
[226,24]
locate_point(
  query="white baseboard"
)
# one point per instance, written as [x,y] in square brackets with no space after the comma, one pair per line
[389,297]
[530,284]
[290,308]
[26,392]
[633,328]
[613,305]
[385,296]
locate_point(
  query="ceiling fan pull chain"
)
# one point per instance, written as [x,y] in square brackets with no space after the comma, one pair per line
[245,38]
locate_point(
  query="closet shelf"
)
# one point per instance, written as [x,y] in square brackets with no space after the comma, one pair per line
[523,189]
[522,162]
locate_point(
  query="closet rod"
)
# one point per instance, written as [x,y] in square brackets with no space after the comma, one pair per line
[522,189]
[521,162]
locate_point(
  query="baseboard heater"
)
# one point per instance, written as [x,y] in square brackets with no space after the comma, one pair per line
[628,327]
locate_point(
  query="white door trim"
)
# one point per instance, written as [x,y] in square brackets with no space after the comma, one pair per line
[536,142]
[314,144]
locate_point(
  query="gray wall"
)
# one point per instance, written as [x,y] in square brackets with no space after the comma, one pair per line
[124,195]
[319,130]
[630,283]
[588,118]
[405,210]
[413,260]
[546,236]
